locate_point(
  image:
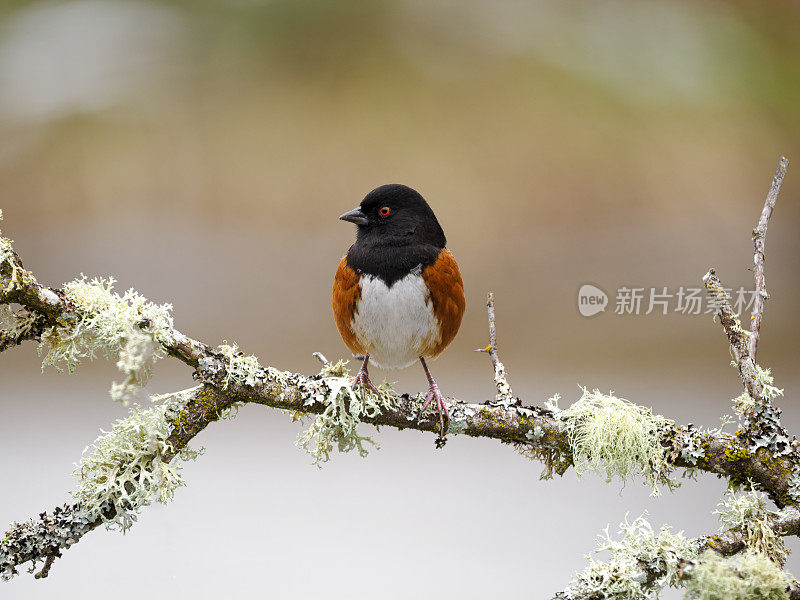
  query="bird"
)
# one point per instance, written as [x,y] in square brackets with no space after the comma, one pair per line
[398,296]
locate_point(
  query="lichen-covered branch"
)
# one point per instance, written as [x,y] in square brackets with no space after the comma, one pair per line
[642,561]
[19,326]
[138,461]
[763,429]
[530,428]
[229,377]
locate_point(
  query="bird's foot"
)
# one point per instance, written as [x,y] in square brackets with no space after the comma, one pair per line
[444,418]
[363,384]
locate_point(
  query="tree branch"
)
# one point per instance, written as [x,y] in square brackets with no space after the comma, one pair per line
[727,543]
[763,428]
[504,394]
[762,456]
[759,241]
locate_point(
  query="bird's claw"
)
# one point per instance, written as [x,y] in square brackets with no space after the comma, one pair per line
[363,384]
[441,408]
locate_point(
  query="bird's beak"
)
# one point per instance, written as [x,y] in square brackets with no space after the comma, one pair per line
[355,216]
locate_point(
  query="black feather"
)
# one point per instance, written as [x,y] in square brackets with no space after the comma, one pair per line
[391,246]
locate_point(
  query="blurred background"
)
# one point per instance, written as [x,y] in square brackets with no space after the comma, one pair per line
[202,151]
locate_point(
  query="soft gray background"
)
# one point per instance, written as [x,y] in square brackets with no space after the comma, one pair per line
[201,152]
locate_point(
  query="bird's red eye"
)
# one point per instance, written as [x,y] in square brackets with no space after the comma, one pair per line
[385,211]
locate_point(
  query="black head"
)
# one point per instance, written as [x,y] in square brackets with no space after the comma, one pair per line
[396,215]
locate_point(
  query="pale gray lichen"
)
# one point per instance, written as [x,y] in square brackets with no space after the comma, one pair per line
[692,449]
[749,576]
[536,433]
[642,563]
[747,513]
[551,403]
[242,369]
[124,470]
[36,539]
[16,323]
[612,437]
[336,427]
[744,403]
[769,390]
[127,327]
[337,369]
[794,487]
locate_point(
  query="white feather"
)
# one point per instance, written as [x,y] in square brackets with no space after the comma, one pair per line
[395,324]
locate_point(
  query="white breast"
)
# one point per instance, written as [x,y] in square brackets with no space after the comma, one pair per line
[395,324]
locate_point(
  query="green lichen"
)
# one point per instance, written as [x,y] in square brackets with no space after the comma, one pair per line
[336,427]
[126,327]
[744,403]
[747,513]
[749,576]
[613,437]
[337,369]
[734,453]
[641,563]
[767,383]
[242,369]
[124,470]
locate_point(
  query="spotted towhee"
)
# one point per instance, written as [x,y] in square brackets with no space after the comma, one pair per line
[397,294]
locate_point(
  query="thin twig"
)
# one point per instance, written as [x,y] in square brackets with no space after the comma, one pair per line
[48,562]
[763,428]
[321,358]
[759,241]
[504,394]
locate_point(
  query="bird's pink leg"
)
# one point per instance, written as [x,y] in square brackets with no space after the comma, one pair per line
[435,394]
[362,381]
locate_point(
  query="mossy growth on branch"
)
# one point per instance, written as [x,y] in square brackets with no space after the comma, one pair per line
[767,381]
[16,323]
[242,369]
[642,563]
[747,513]
[613,437]
[745,403]
[126,327]
[336,427]
[748,576]
[125,470]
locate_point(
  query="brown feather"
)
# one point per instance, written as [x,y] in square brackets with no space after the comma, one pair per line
[447,296]
[346,293]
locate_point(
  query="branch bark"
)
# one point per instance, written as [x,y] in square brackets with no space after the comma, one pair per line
[504,394]
[759,241]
